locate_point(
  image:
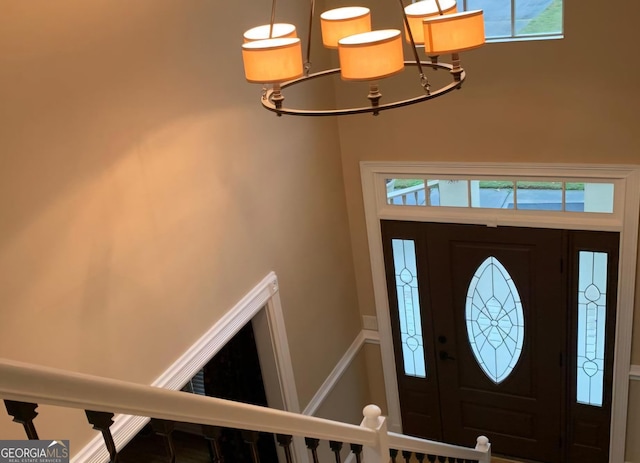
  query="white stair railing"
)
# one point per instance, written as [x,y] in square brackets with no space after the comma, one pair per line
[482,451]
[42,385]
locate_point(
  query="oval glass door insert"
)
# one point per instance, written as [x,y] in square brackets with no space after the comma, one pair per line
[495,320]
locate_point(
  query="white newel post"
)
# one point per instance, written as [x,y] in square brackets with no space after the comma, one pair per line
[373,420]
[483,445]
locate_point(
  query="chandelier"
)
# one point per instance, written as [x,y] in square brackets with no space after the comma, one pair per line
[272,53]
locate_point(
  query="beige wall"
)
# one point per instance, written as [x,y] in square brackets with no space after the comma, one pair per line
[350,394]
[143,192]
[377,392]
[573,100]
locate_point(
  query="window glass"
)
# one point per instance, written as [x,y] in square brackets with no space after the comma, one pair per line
[598,197]
[574,197]
[538,17]
[497,16]
[539,196]
[495,320]
[592,304]
[522,195]
[406,275]
[450,193]
[517,19]
[491,194]
[433,193]
[405,191]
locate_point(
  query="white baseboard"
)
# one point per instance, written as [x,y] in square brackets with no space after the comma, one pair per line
[634,372]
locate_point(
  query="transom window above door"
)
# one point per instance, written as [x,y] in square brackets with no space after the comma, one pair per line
[489,193]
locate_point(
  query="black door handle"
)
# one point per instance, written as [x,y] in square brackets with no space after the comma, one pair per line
[444,355]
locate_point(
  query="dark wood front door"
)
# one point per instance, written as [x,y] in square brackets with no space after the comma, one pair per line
[516,399]
[485,336]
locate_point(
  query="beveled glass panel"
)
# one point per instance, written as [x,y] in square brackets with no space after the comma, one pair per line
[495,320]
[406,276]
[592,305]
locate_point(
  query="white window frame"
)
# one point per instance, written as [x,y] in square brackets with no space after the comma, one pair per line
[623,220]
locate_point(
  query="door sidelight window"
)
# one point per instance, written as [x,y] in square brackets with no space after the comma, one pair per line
[406,277]
[592,311]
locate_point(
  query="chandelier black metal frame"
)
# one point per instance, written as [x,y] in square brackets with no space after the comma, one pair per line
[272,98]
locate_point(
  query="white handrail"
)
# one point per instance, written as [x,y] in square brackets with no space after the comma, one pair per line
[42,385]
[413,444]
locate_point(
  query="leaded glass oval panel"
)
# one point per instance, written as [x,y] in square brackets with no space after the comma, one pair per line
[495,320]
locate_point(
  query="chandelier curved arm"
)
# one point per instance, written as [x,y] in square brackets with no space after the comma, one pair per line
[269,104]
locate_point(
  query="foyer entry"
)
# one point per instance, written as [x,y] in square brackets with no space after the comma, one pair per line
[499,331]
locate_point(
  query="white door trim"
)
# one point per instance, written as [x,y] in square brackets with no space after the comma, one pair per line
[624,220]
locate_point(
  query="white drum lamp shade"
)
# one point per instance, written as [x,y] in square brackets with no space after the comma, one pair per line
[453,33]
[371,55]
[418,11]
[272,60]
[343,22]
[280,30]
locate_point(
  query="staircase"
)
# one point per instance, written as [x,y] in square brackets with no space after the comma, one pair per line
[300,438]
